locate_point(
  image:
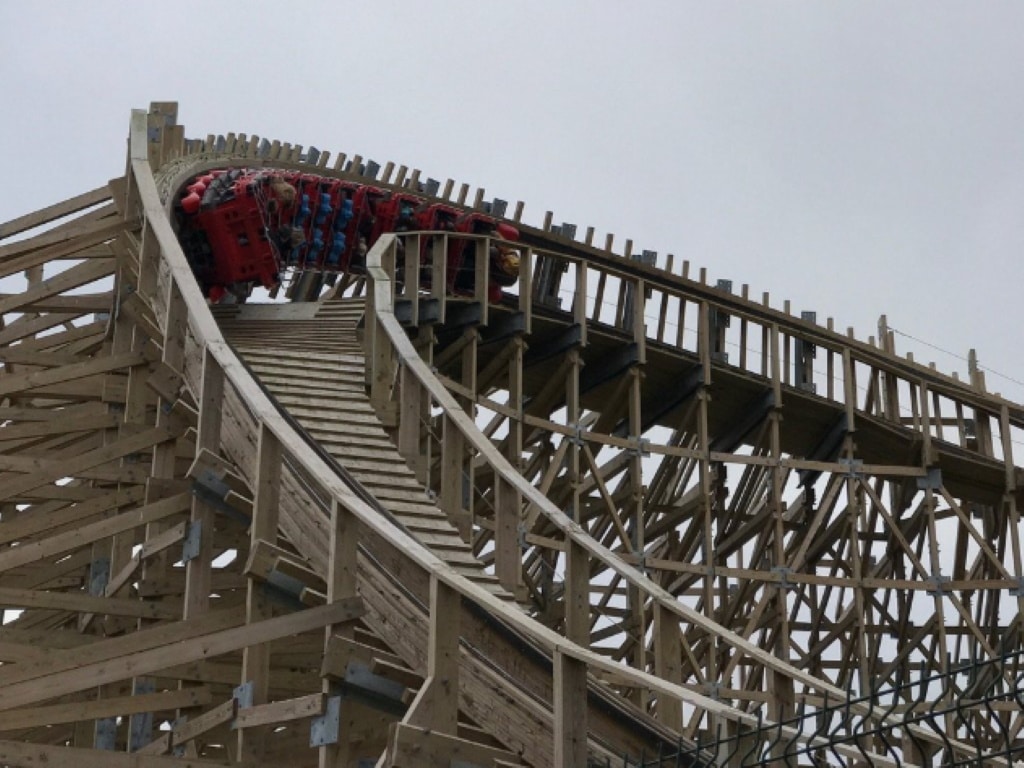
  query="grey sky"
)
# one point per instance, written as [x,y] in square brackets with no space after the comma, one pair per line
[856,158]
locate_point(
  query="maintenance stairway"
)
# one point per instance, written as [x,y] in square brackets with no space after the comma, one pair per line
[309,358]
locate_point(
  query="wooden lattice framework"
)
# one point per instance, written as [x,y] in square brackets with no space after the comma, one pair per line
[633,509]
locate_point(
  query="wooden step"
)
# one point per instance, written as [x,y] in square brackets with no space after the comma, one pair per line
[324,389]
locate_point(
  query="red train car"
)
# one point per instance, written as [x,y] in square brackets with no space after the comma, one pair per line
[244,227]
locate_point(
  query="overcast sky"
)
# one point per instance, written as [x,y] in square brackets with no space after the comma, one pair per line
[856,158]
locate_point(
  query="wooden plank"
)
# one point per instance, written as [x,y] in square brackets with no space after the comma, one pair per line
[100,708]
[17,753]
[112,648]
[86,534]
[56,470]
[162,654]
[78,304]
[280,711]
[265,519]
[20,382]
[54,212]
[207,721]
[94,266]
[44,519]
[59,426]
[24,327]
[411,747]
[80,601]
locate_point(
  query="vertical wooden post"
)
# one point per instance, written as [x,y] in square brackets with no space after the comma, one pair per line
[572,418]
[410,409]
[482,276]
[380,369]
[341,583]
[439,273]
[256,658]
[668,653]
[198,568]
[782,701]
[443,656]
[635,511]
[570,678]
[452,480]
[570,704]
[579,306]
[436,706]
[705,349]
[507,560]
[526,286]
[469,379]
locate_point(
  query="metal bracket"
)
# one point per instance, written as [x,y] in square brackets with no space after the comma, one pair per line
[140,729]
[243,694]
[521,537]
[99,575]
[783,572]
[1018,591]
[285,582]
[855,467]
[179,749]
[643,448]
[714,690]
[210,481]
[360,676]
[641,562]
[937,584]
[576,436]
[326,729]
[193,539]
[380,693]
[932,481]
[106,733]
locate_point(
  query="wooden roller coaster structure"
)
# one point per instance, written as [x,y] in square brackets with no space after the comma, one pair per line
[612,517]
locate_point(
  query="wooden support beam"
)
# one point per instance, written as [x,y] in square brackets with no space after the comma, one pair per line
[341,585]
[17,753]
[12,597]
[256,658]
[54,212]
[198,568]
[280,711]
[184,732]
[68,468]
[21,382]
[668,665]
[412,747]
[83,274]
[95,709]
[36,550]
[436,706]
[154,652]
[570,676]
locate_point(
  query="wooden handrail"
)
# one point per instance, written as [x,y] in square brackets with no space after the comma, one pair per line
[389,332]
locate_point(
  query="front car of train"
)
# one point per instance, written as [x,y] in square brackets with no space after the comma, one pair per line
[246,228]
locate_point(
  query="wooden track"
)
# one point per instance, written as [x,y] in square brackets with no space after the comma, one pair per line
[619,511]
